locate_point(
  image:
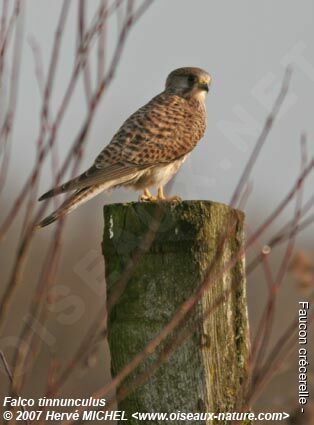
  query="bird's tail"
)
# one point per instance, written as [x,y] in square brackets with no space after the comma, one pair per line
[68,186]
[111,176]
[78,198]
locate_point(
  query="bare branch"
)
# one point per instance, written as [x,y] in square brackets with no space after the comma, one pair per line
[262,138]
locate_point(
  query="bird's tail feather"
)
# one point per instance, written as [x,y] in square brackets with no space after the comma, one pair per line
[112,175]
[70,185]
[78,198]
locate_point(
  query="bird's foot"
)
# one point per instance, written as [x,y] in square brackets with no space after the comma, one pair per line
[147,197]
[161,196]
[174,198]
[144,198]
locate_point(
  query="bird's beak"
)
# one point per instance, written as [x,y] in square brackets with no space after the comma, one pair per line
[203,85]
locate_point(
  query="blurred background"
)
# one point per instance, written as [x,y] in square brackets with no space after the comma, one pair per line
[246,47]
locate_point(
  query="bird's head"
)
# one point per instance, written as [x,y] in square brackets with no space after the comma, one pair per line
[189,82]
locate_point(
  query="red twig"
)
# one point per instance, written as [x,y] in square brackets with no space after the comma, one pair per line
[262,138]
[268,317]
[17,19]
[9,374]
[283,234]
[81,34]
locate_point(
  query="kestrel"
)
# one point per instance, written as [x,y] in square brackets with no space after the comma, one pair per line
[150,146]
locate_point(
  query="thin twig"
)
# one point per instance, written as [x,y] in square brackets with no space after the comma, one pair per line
[262,138]
[273,290]
[278,352]
[26,240]
[283,203]
[7,127]
[9,374]
[283,233]
[101,45]
[86,66]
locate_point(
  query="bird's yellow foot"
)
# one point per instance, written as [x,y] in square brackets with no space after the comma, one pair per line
[144,198]
[174,198]
[147,197]
[161,196]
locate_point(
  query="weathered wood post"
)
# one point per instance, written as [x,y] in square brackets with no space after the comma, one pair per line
[205,373]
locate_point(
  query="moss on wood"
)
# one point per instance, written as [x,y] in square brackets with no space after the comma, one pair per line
[205,373]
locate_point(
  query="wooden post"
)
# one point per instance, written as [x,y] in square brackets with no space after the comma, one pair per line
[168,249]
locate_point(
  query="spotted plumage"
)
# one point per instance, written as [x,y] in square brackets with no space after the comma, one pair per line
[150,146]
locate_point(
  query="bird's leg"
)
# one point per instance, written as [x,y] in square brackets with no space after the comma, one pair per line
[147,193]
[161,196]
[147,196]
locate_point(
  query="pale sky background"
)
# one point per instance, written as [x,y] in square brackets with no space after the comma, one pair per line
[245,45]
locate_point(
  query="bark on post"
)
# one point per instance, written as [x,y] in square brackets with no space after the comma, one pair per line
[205,373]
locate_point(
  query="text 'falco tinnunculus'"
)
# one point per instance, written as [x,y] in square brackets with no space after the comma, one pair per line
[150,146]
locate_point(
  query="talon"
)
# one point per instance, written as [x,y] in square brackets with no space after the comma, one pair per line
[161,196]
[147,197]
[174,198]
[144,198]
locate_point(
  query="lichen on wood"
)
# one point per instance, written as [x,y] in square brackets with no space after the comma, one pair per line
[206,372]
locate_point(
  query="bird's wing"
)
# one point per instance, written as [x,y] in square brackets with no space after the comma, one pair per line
[94,175]
[112,175]
[163,130]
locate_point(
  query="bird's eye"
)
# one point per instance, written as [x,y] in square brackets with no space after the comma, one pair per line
[191,79]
